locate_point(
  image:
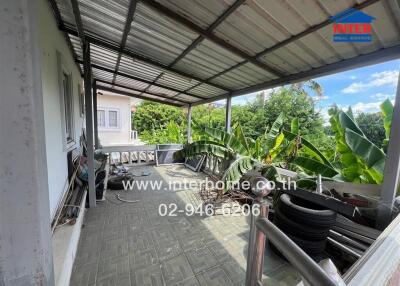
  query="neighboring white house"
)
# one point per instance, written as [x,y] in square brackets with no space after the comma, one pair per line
[114,119]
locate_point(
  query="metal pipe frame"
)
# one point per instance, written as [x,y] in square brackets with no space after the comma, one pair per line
[307,267]
[228,114]
[87,72]
[127,28]
[189,124]
[138,90]
[392,168]
[89,126]
[105,43]
[261,228]
[140,80]
[105,88]
[376,57]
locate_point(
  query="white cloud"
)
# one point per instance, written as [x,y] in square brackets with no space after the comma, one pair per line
[375,80]
[353,77]
[381,96]
[367,107]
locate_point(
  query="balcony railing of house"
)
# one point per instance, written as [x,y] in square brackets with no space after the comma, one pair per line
[137,155]
[133,134]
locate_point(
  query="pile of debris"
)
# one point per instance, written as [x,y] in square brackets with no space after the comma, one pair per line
[77,184]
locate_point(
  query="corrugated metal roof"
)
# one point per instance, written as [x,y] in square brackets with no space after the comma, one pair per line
[198,50]
[163,39]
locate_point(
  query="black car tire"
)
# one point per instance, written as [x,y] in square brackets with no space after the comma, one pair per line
[304,212]
[293,228]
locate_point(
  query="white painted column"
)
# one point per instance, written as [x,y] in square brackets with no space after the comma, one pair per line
[189,124]
[228,114]
[25,235]
[89,124]
[392,168]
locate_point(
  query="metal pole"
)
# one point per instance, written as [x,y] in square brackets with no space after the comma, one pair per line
[228,114]
[189,124]
[259,248]
[96,129]
[307,267]
[256,247]
[89,124]
[392,168]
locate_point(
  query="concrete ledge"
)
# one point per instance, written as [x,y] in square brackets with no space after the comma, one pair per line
[65,245]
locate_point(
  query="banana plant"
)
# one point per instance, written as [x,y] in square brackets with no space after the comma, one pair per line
[242,152]
[387,113]
[360,160]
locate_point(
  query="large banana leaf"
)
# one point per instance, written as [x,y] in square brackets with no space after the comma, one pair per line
[236,169]
[387,112]
[239,135]
[276,148]
[256,148]
[294,126]
[291,136]
[346,121]
[315,166]
[274,131]
[228,140]
[206,147]
[370,154]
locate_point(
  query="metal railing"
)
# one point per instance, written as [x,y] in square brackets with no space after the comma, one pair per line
[260,229]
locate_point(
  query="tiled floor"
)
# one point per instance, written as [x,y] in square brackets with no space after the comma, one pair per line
[131,244]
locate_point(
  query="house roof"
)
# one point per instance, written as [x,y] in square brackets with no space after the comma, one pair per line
[352,15]
[196,51]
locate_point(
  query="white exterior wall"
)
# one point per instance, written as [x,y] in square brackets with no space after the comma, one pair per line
[25,235]
[121,134]
[52,40]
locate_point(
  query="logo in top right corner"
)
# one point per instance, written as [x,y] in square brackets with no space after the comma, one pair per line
[352,25]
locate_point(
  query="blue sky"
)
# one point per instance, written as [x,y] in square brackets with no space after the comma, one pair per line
[363,89]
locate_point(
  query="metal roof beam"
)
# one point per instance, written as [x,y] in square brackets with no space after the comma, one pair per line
[213,26]
[100,87]
[210,36]
[141,80]
[138,90]
[373,58]
[200,38]
[291,39]
[127,28]
[97,40]
[60,25]
[78,20]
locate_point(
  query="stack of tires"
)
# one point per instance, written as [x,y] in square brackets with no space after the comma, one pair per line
[307,224]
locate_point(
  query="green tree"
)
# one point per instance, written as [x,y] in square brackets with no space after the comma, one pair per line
[372,126]
[294,103]
[209,115]
[154,116]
